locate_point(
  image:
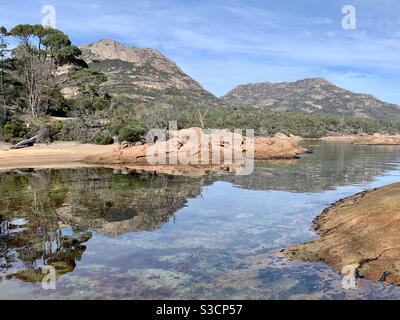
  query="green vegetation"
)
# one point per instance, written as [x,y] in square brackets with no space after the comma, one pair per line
[125,125]
[104,139]
[13,129]
[40,51]
[89,100]
[30,89]
[96,109]
[55,128]
[3,74]
[264,122]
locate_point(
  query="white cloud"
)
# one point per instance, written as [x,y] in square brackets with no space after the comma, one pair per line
[223,43]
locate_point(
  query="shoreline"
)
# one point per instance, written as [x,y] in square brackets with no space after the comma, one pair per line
[58,155]
[63,155]
[193,149]
[348,233]
[374,139]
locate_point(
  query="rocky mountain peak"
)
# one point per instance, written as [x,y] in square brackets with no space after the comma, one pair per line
[312,95]
[106,49]
[319,81]
[141,74]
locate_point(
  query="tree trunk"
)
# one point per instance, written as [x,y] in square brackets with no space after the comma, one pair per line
[25,143]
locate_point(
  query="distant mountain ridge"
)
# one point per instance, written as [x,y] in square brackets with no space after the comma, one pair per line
[141,74]
[315,95]
[146,75]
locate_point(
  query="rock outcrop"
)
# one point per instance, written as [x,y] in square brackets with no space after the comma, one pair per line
[216,150]
[375,139]
[360,232]
[378,139]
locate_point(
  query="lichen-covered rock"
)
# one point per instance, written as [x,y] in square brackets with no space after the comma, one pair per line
[362,231]
[214,149]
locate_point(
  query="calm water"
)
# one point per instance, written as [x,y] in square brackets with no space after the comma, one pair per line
[131,236]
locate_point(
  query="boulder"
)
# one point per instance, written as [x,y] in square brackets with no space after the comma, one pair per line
[193,146]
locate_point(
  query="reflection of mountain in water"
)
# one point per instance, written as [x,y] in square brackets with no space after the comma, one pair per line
[113,204]
[331,165]
[46,214]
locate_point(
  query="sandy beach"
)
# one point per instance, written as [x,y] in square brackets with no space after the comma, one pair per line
[75,155]
[55,155]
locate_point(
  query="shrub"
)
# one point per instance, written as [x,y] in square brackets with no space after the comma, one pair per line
[83,129]
[13,129]
[55,129]
[104,139]
[58,105]
[89,100]
[125,126]
[130,134]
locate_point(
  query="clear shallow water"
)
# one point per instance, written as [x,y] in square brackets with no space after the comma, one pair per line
[131,236]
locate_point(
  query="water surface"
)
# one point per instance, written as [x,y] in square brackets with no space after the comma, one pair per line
[124,235]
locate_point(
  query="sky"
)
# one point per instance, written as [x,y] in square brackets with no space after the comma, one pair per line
[224,43]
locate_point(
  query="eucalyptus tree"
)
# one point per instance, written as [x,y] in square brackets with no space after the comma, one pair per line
[40,51]
[3,56]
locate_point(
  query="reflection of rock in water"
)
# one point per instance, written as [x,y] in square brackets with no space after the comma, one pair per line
[45,214]
[332,165]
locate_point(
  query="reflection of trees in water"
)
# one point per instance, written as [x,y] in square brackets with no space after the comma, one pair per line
[46,213]
[29,229]
[332,165]
[113,204]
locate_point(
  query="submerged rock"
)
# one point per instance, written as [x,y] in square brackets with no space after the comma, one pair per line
[362,231]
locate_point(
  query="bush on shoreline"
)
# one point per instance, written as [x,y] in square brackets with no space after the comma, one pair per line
[131,123]
[264,122]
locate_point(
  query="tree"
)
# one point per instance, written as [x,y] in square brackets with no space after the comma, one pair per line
[202,116]
[3,56]
[40,51]
[89,99]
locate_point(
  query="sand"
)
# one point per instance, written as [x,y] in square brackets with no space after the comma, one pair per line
[55,155]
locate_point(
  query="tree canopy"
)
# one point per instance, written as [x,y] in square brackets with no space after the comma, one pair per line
[40,51]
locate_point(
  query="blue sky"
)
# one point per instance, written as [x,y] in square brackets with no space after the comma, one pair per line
[224,43]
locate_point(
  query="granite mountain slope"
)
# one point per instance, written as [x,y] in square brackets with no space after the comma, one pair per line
[141,74]
[317,96]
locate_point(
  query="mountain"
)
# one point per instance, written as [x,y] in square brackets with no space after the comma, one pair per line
[141,74]
[317,96]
